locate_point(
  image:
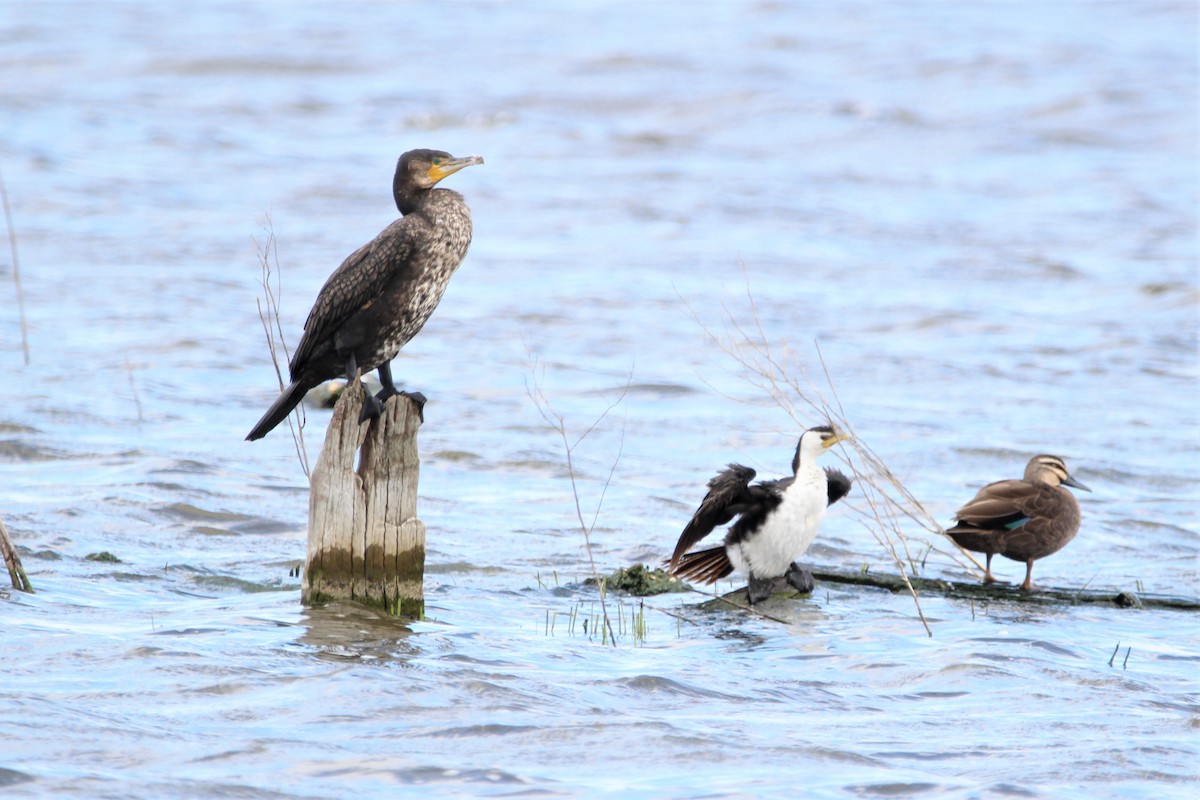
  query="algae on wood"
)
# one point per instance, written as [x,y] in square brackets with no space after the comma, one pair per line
[365,542]
[640,580]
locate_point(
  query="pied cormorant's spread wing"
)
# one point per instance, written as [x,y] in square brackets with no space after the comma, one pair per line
[727,496]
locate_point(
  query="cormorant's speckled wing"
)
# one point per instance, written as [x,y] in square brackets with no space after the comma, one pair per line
[360,279]
[839,484]
[727,495]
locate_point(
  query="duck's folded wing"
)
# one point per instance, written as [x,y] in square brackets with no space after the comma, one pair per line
[727,495]
[1004,505]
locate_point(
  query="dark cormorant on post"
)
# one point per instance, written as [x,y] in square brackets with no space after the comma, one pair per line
[776,520]
[385,291]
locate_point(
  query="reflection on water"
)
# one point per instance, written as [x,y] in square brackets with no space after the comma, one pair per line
[976,209]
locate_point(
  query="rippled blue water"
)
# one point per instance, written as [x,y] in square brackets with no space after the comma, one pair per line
[985,213]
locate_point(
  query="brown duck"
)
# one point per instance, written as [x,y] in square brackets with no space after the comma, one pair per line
[1023,520]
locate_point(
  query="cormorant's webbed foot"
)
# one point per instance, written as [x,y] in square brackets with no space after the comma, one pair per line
[419,401]
[388,391]
[800,579]
[371,409]
[759,589]
[374,406]
[389,386]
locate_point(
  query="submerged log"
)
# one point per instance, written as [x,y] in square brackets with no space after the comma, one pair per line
[16,572]
[365,542]
[974,591]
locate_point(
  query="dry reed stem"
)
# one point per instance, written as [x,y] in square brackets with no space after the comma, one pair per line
[16,265]
[12,560]
[273,331]
[558,423]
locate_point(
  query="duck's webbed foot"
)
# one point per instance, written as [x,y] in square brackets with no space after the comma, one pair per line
[800,579]
[759,589]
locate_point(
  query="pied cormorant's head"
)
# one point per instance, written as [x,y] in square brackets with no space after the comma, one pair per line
[814,442]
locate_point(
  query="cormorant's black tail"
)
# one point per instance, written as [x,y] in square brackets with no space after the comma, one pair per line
[705,566]
[279,410]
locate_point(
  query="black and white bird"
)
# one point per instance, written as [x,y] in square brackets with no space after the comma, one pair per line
[1023,519]
[385,291]
[776,520]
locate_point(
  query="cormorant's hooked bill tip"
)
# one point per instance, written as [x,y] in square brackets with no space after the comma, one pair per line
[448,166]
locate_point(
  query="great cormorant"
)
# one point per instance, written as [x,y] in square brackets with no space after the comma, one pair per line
[777,520]
[385,291]
[1023,520]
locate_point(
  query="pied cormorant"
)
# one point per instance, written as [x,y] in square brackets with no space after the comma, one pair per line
[776,520]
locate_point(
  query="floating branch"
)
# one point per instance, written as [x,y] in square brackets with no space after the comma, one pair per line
[975,592]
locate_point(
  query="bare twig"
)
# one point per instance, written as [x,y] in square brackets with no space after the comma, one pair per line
[137,400]
[16,264]
[273,331]
[558,423]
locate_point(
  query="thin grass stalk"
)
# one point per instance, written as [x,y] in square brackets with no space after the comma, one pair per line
[558,423]
[16,265]
[12,561]
[273,332]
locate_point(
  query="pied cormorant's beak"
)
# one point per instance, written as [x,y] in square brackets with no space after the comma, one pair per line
[832,440]
[449,166]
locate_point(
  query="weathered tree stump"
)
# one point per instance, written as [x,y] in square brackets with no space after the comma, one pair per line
[365,542]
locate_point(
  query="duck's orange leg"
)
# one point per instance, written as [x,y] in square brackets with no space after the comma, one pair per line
[1028,584]
[987,571]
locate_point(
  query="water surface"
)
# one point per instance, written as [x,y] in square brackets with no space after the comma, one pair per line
[984,213]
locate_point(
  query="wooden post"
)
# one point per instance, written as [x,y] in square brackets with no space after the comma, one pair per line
[365,542]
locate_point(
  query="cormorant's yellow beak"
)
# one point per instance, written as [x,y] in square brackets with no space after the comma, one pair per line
[449,166]
[832,440]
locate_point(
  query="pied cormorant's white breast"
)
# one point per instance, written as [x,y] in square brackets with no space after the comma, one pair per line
[776,521]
